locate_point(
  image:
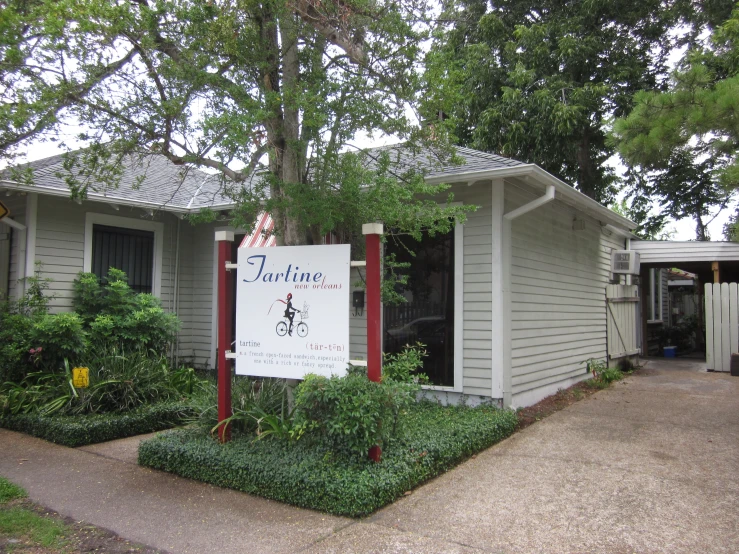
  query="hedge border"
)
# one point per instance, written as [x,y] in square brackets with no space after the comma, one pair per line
[309,475]
[81,430]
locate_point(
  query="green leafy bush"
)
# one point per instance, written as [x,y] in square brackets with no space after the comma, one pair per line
[405,366]
[59,336]
[80,430]
[306,473]
[352,412]
[113,313]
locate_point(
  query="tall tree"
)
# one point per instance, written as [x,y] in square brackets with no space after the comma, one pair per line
[687,136]
[274,88]
[539,80]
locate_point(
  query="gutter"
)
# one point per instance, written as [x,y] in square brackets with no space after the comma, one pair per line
[564,190]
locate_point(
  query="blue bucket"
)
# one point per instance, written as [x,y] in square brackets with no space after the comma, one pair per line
[670,351]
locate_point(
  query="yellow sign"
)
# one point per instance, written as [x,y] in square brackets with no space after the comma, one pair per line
[81,377]
[3,210]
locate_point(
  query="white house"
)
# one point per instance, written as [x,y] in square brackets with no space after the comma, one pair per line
[511,304]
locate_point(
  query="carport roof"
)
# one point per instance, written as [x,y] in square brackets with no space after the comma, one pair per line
[667,253]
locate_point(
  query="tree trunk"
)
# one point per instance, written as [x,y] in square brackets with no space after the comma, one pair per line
[586,173]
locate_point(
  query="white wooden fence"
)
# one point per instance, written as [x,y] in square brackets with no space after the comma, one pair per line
[722,325]
[622,306]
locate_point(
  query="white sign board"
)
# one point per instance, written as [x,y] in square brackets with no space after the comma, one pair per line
[292,311]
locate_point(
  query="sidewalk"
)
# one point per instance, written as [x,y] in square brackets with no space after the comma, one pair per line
[650,465]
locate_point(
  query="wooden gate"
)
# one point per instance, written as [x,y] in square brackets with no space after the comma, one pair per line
[622,306]
[722,325]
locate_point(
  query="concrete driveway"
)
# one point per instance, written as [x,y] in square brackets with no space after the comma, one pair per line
[649,465]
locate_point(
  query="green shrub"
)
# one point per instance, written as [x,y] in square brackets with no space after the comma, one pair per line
[405,366]
[15,344]
[305,473]
[59,336]
[113,313]
[80,430]
[352,412]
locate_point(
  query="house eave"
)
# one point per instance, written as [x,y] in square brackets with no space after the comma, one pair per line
[94,197]
[533,171]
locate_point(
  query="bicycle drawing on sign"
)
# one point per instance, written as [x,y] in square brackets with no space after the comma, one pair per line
[287,325]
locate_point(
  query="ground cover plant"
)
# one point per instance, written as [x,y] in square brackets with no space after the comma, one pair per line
[315,453]
[28,528]
[123,338]
[313,474]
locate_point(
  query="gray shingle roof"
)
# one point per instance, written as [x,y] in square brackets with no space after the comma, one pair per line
[153,180]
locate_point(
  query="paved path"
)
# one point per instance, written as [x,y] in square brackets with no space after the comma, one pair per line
[650,465]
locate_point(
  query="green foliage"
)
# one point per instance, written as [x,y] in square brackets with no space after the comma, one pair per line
[405,366]
[10,491]
[267,88]
[113,313]
[22,522]
[538,81]
[352,413]
[79,430]
[120,381]
[603,375]
[251,399]
[305,473]
[17,320]
[687,136]
[59,336]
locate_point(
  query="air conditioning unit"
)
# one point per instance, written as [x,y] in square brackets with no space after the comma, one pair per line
[625,262]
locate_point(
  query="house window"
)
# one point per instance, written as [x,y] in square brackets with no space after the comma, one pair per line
[130,244]
[428,315]
[655,295]
[130,250]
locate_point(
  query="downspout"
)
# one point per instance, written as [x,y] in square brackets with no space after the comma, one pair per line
[526,208]
[507,260]
[176,293]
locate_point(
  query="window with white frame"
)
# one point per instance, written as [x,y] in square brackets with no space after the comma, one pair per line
[655,295]
[131,245]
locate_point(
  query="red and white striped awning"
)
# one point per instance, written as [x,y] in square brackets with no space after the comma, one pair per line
[262,235]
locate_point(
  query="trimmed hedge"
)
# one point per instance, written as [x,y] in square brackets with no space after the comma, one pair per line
[307,474]
[80,430]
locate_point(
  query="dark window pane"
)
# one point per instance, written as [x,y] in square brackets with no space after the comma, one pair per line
[428,314]
[129,250]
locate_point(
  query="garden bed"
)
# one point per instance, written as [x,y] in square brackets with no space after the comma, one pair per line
[308,474]
[80,430]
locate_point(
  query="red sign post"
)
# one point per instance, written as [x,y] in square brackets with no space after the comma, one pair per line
[225,307]
[373,231]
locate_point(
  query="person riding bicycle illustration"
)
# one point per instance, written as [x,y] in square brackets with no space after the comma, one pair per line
[290,312]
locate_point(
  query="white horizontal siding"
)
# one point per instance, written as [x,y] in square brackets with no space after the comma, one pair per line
[558,310]
[60,242]
[195,303]
[656,252]
[477,290]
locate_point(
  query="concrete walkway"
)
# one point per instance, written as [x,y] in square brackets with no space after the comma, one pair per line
[650,465]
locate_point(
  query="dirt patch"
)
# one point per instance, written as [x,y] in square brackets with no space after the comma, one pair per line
[557,402]
[78,537]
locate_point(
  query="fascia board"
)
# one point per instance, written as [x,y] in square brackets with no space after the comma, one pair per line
[94,197]
[563,190]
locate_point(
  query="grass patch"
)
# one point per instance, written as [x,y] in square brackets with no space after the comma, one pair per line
[10,491]
[79,430]
[30,526]
[309,474]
